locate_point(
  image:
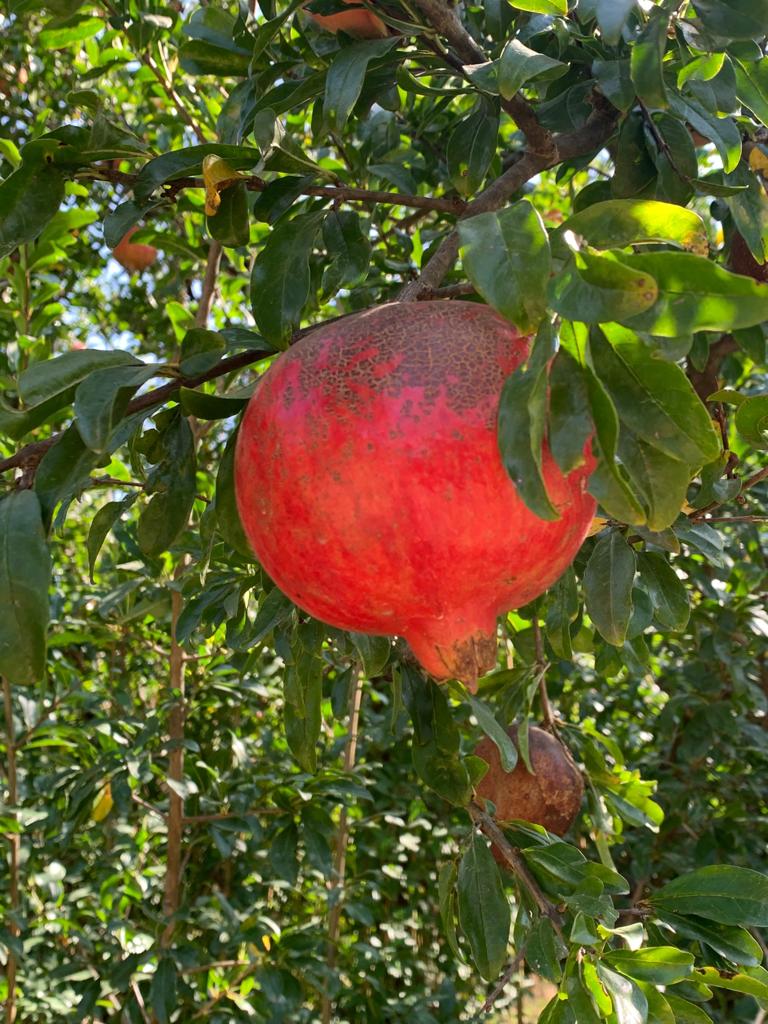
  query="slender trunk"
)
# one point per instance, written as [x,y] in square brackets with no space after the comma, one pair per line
[14,842]
[175,819]
[340,853]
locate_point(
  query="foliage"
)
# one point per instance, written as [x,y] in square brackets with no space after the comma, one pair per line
[219,809]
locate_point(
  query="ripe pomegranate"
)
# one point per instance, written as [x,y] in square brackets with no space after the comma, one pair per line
[370,484]
[359,22]
[551,797]
[132,255]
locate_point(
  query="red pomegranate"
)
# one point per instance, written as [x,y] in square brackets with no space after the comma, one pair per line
[133,255]
[371,488]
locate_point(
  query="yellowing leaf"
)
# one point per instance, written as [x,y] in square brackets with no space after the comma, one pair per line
[267,942]
[597,525]
[103,803]
[217,175]
[758,159]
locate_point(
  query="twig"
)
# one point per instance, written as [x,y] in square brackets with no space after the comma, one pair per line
[541,670]
[175,818]
[14,841]
[209,283]
[735,519]
[337,193]
[340,853]
[449,291]
[503,981]
[516,865]
[202,819]
[139,1001]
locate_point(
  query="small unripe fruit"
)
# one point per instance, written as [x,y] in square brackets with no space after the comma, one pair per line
[551,797]
[133,255]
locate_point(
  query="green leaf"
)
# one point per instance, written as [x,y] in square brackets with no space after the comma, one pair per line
[29,198]
[615,82]
[63,470]
[653,397]
[519,64]
[667,591]
[522,416]
[734,19]
[199,57]
[580,1000]
[646,59]
[543,951]
[25,575]
[621,222]
[230,224]
[76,31]
[495,732]
[58,377]
[660,481]
[447,901]
[729,895]
[685,1012]
[280,280]
[506,257]
[658,965]
[723,131]
[484,912]
[172,486]
[612,16]
[471,147]
[629,1004]
[751,421]
[562,610]
[303,689]
[608,482]
[659,1010]
[558,8]
[702,68]
[162,992]
[608,581]
[749,209]
[227,516]
[184,162]
[102,399]
[570,419]
[752,981]
[752,86]
[348,248]
[374,652]
[730,941]
[635,171]
[206,406]
[596,289]
[101,524]
[346,75]
[697,295]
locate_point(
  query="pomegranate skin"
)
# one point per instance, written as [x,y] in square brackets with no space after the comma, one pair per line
[359,22]
[371,488]
[133,255]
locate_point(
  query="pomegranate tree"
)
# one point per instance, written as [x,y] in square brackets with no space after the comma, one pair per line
[371,487]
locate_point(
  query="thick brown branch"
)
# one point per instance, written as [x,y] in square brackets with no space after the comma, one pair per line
[443,17]
[706,382]
[516,864]
[580,142]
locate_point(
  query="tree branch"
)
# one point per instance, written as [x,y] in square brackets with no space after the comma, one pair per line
[579,142]
[503,981]
[14,842]
[446,21]
[340,853]
[516,864]
[541,670]
[338,193]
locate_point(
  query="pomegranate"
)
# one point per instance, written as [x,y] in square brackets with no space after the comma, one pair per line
[371,488]
[359,22]
[134,255]
[551,797]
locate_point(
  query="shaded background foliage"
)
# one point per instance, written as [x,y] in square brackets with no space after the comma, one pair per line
[140,887]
